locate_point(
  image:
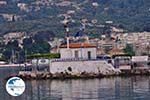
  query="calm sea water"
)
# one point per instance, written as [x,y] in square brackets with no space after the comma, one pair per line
[127,88]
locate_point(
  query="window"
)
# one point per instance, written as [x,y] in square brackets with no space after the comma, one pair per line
[76,54]
[89,54]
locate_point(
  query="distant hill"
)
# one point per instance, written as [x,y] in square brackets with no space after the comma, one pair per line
[46,15]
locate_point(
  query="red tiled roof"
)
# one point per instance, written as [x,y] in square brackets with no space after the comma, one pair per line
[79,45]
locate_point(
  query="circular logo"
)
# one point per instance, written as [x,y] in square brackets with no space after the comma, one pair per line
[15,86]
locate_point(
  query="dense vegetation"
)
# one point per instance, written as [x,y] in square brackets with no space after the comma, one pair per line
[45,23]
[132,15]
[129,50]
[12,52]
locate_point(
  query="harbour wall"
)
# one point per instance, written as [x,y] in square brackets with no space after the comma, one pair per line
[81,66]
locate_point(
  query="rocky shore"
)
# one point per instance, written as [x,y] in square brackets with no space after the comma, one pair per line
[47,75]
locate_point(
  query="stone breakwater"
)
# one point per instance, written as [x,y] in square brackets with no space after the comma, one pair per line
[47,75]
[85,75]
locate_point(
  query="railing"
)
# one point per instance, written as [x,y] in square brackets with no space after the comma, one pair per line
[75,59]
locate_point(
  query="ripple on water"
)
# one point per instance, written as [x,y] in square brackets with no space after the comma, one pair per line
[118,88]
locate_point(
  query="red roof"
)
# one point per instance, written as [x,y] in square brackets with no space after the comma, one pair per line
[79,45]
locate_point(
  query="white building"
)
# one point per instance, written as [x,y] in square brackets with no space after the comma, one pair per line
[78,50]
[77,58]
[23,6]
[2,3]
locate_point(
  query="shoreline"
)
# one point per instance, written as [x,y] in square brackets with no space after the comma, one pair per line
[63,76]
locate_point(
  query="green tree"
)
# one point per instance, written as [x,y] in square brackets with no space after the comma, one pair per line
[129,50]
[12,48]
[38,46]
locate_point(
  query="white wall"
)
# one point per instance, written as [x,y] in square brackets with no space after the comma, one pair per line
[83,53]
[65,53]
[81,66]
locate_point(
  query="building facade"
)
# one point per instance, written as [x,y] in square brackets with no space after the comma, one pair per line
[78,51]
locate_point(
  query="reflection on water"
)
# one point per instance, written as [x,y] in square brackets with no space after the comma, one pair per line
[129,88]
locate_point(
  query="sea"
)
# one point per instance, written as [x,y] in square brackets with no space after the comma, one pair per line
[112,88]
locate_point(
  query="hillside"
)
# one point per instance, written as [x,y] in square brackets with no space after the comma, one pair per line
[35,16]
